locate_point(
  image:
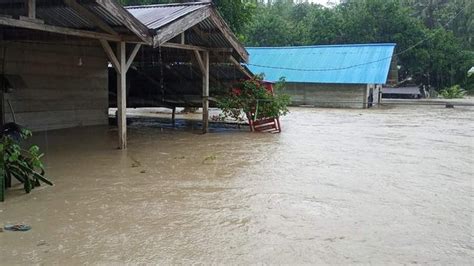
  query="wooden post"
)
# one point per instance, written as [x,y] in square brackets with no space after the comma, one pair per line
[173,116]
[205,93]
[31,5]
[122,96]
[2,103]
[3,86]
[2,180]
[121,65]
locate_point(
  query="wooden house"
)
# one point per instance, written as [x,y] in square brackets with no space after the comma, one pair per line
[55,55]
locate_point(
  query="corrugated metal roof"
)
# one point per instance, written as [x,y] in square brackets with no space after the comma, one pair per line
[346,64]
[156,16]
[64,16]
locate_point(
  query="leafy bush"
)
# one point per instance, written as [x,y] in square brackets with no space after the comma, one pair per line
[453,92]
[253,99]
[23,164]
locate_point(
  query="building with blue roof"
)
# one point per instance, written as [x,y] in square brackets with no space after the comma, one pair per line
[349,75]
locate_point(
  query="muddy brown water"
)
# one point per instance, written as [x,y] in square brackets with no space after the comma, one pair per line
[337,186]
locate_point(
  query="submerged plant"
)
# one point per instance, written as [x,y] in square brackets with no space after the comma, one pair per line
[252,98]
[25,165]
[453,92]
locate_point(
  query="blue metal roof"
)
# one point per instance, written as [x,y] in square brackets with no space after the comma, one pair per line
[347,64]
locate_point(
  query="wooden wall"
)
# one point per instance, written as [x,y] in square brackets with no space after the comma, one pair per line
[59,92]
[327,95]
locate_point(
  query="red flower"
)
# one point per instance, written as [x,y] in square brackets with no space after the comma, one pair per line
[236,91]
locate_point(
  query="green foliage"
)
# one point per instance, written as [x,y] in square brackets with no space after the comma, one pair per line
[431,54]
[439,13]
[253,99]
[23,164]
[236,13]
[453,92]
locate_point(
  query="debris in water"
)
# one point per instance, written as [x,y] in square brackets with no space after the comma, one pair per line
[42,243]
[209,158]
[17,227]
[135,163]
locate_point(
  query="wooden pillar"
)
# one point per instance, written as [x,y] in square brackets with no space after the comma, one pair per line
[173,116]
[31,5]
[2,105]
[121,65]
[122,96]
[3,86]
[205,93]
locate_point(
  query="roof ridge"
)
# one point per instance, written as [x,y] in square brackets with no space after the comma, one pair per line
[323,45]
[169,5]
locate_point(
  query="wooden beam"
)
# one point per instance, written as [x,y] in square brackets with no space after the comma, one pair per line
[194,62]
[205,94]
[33,20]
[240,67]
[196,48]
[111,55]
[31,5]
[132,55]
[225,30]
[184,46]
[200,62]
[132,23]
[132,39]
[175,28]
[122,96]
[55,29]
[90,16]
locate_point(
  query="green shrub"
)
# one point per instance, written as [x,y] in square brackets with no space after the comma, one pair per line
[453,92]
[23,164]
[252,98]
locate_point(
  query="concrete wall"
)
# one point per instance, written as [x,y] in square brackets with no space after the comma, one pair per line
[328,95]
[59,91]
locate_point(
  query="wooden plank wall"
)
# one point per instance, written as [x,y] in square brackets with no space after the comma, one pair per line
[60,92]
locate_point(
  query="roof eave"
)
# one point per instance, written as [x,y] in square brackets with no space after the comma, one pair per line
[132,23]
[171,30]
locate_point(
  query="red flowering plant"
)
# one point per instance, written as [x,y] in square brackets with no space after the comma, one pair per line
[252,100]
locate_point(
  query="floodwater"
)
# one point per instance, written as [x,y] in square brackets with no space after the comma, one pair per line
[391,185]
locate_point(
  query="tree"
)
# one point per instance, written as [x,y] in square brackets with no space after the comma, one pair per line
[426,51]
[454,15]
[237,13]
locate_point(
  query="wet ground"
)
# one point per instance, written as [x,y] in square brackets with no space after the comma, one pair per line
[391,185]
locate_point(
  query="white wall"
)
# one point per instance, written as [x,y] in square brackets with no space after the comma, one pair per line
[59,93]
